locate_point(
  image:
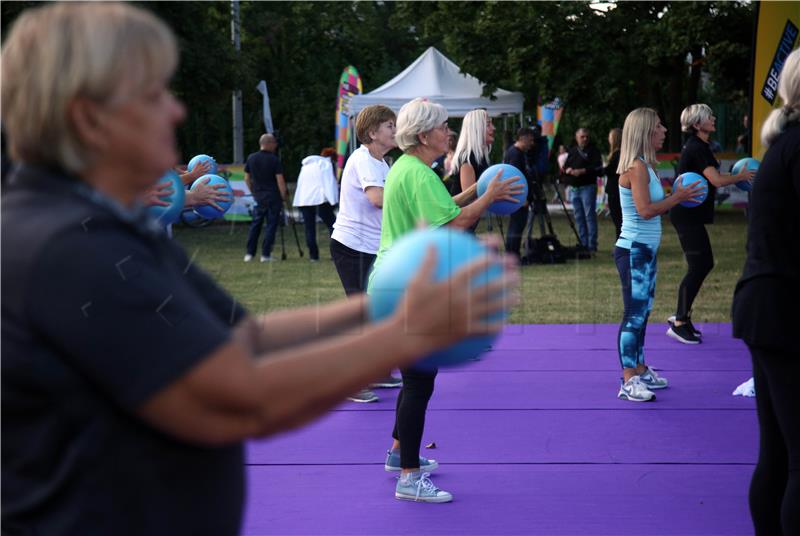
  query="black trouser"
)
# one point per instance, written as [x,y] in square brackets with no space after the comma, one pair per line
[615,210]
[269,209]
[310,223]
[516,228]
[697,250]
[352,266]
[409,423]
[775,488]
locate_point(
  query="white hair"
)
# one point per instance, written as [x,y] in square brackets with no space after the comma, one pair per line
[415,117]
[63,51]
[693,115]
[472,140]
[789,92]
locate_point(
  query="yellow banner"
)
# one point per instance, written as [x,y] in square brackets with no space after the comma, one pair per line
[776,36]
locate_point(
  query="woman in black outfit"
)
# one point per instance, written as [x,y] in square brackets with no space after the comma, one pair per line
[690,222]
[765,313]
[471,157]
[612,179]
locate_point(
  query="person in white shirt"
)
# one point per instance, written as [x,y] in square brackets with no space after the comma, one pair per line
[317,192]
[357,231]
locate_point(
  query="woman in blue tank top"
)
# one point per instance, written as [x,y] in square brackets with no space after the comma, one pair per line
[643,201]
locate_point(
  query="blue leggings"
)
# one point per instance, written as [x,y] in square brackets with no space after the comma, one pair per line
[637,271]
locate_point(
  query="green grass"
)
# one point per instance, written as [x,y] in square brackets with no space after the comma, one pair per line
[586,291]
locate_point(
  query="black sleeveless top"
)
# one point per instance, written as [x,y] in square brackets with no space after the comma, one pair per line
[455,187]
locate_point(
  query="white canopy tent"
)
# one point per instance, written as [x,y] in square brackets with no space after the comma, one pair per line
[434,76]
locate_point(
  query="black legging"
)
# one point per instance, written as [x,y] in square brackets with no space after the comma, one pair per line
[412,403]
[775,488]
[352,266]
[697,250]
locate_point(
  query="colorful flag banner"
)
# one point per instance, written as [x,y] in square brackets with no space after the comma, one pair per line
[549,117]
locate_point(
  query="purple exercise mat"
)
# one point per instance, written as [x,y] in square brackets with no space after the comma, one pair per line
[637,435]
[554,500]
[716,337]
[682,358]
[586,390]
[532,441]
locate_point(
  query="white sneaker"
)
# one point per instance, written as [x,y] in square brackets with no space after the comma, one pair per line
[267,259]
[652,380]
[635,391]
[248,258]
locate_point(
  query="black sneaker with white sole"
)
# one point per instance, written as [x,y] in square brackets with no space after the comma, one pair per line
[697,332]
[683,333]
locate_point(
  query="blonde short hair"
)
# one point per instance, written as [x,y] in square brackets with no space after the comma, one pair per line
[693,115]
[370,118]
[637,139]
[789,92]
[54,54]
[415,117]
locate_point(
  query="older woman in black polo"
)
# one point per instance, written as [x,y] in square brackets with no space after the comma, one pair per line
[129,377]
[690,222]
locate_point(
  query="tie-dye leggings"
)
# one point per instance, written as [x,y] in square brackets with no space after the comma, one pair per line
[637,271]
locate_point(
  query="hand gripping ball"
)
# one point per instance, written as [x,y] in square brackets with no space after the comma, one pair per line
[203,158]
[509,171]
[747,163]
[207,211]
[170,214]
[688,179]
[454,250]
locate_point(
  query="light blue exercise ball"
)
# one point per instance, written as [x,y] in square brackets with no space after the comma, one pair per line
[170,214]
[688,179]
[747,163]
[207,211]
[203,158]
[509,171]
[391,277]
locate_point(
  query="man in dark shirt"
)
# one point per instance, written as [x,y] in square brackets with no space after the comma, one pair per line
[263,174]
[517,156]
[582,167]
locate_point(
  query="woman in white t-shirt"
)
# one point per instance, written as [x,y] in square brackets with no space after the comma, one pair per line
[357,230]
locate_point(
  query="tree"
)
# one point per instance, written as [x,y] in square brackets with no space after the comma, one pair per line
[600,63]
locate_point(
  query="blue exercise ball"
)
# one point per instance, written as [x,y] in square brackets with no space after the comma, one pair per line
[688,179]
[207,211]
[170,214]
[454,249]
[509,171]
[747,163]
[203,158]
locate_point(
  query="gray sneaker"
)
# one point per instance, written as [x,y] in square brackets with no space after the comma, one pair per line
[635,391]
[364,396]
[389,382]
[393,462]
[652,380]
[418,487]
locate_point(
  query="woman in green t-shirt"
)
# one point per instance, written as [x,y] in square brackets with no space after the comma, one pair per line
[413,194]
